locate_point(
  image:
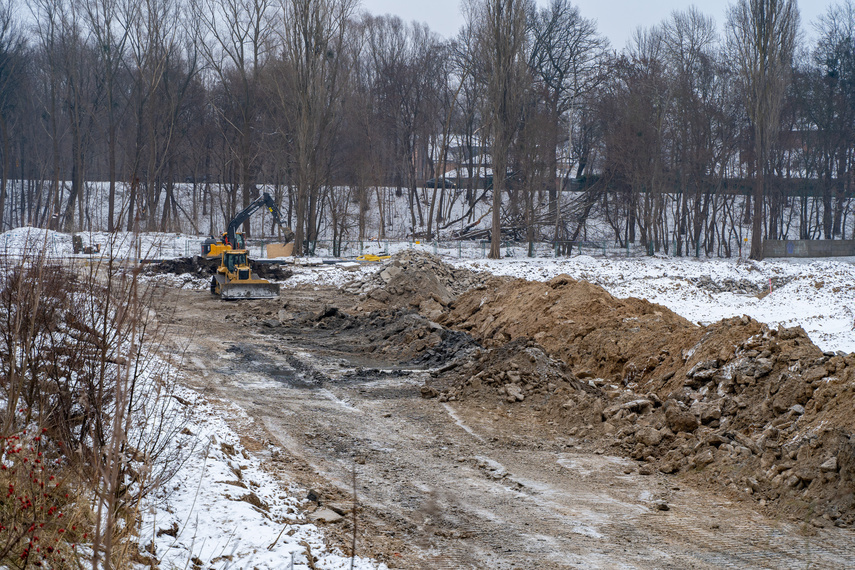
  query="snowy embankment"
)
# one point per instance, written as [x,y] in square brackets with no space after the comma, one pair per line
[222,508]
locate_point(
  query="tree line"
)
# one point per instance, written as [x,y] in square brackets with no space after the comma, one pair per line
[170,114]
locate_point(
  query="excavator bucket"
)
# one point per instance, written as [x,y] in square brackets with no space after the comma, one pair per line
[244,289]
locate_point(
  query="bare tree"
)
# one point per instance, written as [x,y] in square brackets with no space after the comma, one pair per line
[762,39]
[237,42]
[502,37]
[567,57]
[11,66]
[110,36]
[313,37]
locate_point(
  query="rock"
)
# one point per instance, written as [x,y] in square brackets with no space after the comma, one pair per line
[431,309]
[645,469]
[709,413]
[661,506]
[429,392]
[390,273]
[715,440]
[814,374]
[611,411]
[514,393]
[638,406]
[704,458]
[648,436]
[702,372]
[763,366]
[326,515]
[829,465]
[380,295]
[798,409]
[680,420]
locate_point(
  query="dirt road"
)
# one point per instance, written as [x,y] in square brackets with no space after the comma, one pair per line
[458,485]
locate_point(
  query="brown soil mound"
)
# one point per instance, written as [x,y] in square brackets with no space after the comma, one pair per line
[761,411]
[579,323]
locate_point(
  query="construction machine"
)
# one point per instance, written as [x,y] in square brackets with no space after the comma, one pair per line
[234,278]
[233,239]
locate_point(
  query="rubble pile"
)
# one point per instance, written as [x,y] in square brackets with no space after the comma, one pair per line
[418,279]
[738,286]
[395,335]
[515,372]
[762,411]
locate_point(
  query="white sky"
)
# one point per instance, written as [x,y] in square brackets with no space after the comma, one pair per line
[617,19]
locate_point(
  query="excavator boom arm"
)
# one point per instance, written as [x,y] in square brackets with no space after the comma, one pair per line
[243,215]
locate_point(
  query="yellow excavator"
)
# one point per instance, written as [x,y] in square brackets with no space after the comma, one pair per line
[234,278]
[213,248]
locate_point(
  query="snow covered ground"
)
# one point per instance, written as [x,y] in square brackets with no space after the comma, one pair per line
[213,510]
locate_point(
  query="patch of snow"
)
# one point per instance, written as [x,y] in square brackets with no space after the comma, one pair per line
[228,511]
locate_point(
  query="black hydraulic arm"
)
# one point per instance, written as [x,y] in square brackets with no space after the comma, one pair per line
[263,200]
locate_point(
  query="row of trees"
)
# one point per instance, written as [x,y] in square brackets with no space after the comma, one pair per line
[173,114]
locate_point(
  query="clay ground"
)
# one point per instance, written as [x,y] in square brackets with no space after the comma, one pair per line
[462,483]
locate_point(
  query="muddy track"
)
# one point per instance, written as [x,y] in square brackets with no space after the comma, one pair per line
[456,485]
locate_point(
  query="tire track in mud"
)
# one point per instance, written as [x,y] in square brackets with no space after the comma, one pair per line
[458,485]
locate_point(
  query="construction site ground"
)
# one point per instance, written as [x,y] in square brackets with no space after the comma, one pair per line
[458,460]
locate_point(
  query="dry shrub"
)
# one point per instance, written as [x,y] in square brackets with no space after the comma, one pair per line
[42,520]
[78,358]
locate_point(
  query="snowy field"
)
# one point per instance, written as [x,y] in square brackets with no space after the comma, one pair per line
[213,523]
[816,294]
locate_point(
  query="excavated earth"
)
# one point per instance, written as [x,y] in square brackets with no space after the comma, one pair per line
[500,423]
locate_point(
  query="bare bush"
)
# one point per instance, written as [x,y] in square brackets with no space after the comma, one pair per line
[78,358]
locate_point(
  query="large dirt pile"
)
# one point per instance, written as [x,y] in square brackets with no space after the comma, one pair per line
[762,411]
[621,339]
[414,278]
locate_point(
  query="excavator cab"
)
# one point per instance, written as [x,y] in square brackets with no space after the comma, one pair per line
[213,248]
[235,280]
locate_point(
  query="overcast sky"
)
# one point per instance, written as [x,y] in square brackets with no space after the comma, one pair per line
[616,19]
